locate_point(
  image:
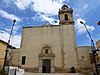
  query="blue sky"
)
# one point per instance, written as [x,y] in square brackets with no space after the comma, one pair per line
[37,12]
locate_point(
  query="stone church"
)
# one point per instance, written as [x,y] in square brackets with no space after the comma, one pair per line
[51,48]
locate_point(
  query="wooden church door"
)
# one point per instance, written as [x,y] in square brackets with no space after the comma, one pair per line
[46,66]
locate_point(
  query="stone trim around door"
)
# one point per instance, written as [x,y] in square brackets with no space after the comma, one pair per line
[46,53]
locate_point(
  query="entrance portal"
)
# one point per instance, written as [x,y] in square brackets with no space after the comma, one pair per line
[46,66]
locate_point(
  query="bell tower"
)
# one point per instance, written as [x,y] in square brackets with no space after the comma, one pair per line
[67,39]
[65,15]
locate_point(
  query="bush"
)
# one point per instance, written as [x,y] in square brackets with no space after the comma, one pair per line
[3,72]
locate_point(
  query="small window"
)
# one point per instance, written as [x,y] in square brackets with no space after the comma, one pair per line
[46,51]
[66,17]
[23,60]
[82,57]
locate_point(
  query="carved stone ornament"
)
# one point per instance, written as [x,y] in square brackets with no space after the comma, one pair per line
[49,53]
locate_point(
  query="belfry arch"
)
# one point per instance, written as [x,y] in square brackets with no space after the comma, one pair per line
[66,17]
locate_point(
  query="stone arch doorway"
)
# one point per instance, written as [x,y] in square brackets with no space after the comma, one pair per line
[46,60]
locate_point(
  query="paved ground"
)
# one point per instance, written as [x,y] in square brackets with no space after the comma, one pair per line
[26,73]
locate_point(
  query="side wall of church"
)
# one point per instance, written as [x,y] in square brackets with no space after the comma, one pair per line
[15,57]
[83,56]
[98,44]
[98,52]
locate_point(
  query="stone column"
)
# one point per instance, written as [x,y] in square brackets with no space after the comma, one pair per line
[40,65]
[52,65]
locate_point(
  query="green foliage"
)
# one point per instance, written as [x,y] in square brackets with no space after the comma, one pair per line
[3,72]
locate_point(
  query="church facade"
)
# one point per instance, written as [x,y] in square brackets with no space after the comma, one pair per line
[51,48]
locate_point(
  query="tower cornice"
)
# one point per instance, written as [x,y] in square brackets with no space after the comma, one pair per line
[66,23]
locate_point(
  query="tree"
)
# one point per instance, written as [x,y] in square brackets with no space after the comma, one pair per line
[3,72]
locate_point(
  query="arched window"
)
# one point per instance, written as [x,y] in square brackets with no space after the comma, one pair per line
[66,17]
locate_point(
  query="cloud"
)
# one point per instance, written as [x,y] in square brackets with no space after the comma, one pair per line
[14,41]
[15,29]
[77,15]
[45,17]
[80,28]
[8,2]
[15,38]
[50,20]
[44,8]
[22,4]
[85,7]
[1,24]
[8,15]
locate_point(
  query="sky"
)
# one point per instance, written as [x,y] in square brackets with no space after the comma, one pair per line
[38,12]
